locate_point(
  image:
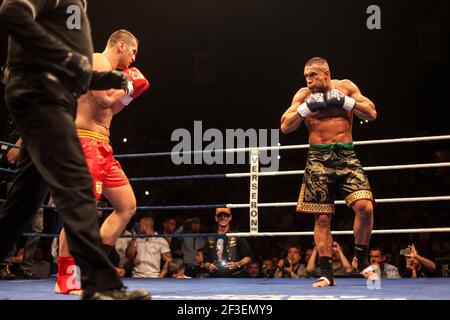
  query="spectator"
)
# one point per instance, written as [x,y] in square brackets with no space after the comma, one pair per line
[225,257]
[268,268]
[146,253]
[291,267]
[40,267]
[124,264]
[177,268]
[308,254]
[9,156]
[378,258]
[201,271]
[190,245]
[169,227]
[418,266]
[339,262]
[253,270]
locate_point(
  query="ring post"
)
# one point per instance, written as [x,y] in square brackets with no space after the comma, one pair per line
[254,174]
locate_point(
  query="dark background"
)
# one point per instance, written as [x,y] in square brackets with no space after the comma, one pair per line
[237,64]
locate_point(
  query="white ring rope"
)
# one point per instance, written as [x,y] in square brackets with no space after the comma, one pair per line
[346,232]
[374,168]
[299,146]
[340,202]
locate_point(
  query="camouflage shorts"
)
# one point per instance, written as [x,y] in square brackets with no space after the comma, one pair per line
[331,170]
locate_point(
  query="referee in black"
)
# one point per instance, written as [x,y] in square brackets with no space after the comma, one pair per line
[48,68]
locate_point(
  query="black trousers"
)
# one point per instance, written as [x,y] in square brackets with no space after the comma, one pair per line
[30,245]
[43,112]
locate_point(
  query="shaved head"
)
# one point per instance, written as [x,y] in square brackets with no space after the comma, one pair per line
[121,35]
[317,61]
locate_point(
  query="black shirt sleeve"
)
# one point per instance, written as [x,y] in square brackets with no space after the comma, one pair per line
[18,19]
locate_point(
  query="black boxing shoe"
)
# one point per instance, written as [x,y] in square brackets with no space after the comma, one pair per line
[117,294]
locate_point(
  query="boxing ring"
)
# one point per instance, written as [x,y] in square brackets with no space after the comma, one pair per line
[265,288]
[239,289]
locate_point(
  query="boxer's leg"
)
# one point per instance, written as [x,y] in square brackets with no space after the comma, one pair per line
[124,202]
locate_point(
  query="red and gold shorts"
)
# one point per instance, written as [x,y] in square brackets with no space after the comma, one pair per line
[105,170]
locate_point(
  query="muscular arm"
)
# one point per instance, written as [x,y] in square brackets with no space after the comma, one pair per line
[364,108]
[291,120]
[105,98]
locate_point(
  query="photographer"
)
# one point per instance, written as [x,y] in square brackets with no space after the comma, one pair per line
[268,268]
[225,257]
[339,263]
[416,265]
[291,266]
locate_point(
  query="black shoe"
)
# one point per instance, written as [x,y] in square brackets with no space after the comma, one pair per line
[6,274]
[118,294]
[27,274]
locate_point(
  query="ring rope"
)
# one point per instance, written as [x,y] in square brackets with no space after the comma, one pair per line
[286,173]
[280,204]
[259,234]
[265,205]
[291,147]
[271,173]
[9,144]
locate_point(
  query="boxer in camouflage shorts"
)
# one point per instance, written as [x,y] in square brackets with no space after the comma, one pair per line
[327,107]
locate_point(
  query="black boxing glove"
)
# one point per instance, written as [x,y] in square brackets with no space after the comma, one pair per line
[82,68]
[335,98]
[313,103]
[109,80]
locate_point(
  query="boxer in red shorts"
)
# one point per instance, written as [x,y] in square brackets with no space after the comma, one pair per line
[95,111]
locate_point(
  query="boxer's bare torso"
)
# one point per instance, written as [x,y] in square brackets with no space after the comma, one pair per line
[332,124]
[91,115]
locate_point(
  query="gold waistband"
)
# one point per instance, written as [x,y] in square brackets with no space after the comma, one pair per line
[92,135]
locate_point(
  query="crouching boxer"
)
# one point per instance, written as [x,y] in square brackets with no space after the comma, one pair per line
[95,111]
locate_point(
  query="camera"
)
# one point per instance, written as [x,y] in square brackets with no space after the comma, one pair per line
[220,263]
[286,262]
[405,251]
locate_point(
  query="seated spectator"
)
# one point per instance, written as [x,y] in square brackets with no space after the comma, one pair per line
[169,227]
[253,270]
[291,266]
[146,253]
[341,265]
[200,271]
[177,268]
[339,262]
[268,268]
[40,266]
[377,258]
[118,256]
[308,254]
[225,257]
[418,266]
[190,245]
